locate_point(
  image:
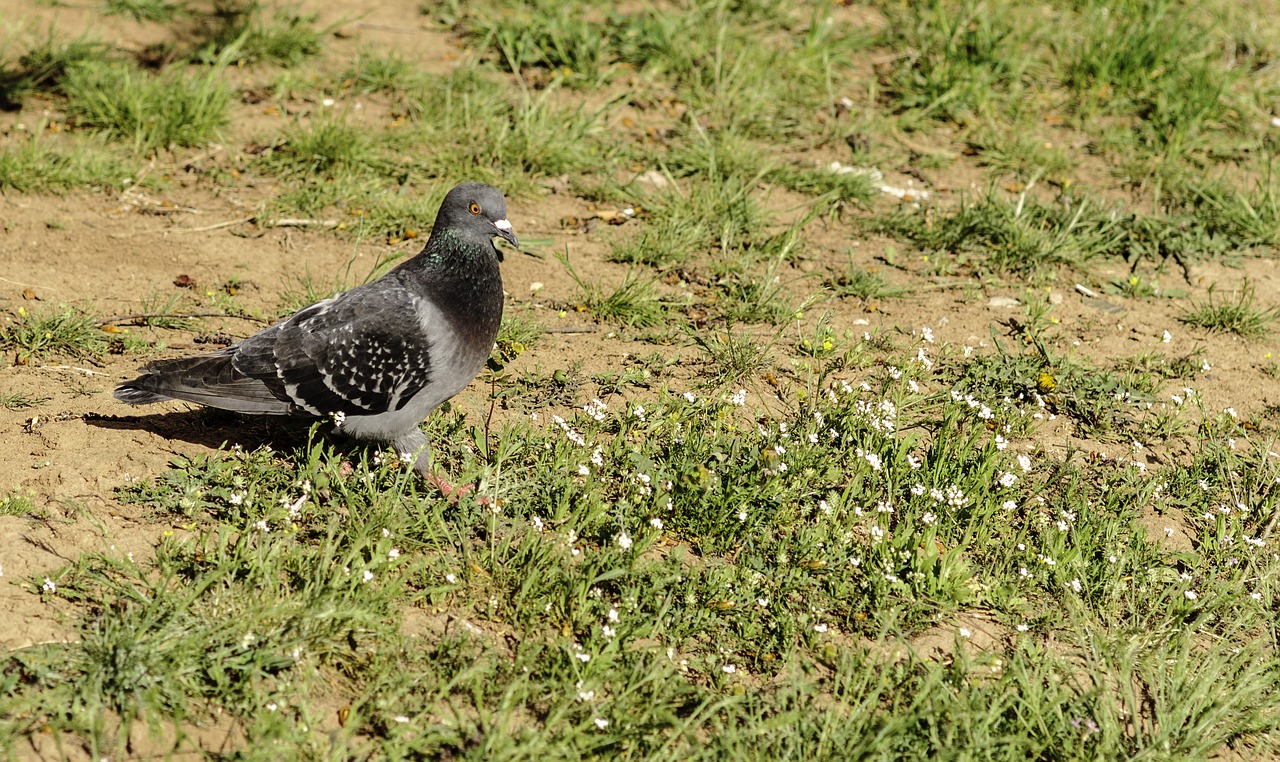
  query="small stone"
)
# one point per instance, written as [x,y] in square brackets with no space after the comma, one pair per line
[654,178]
[1002,301]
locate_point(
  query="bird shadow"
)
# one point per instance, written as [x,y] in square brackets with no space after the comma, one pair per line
[216,429]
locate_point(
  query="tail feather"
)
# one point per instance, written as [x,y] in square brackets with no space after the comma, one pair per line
[210,380]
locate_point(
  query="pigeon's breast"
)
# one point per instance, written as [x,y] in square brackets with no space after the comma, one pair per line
[455,357]
[457,354]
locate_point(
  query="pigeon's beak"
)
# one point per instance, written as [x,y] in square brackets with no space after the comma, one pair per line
[504,231]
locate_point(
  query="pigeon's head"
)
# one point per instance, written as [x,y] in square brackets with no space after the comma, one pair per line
[479,210]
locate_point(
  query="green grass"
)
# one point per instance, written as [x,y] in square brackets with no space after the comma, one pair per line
[633,303]
[391,72]
[834,190]
[325,146]
[44,65]
[1026,157]
[39,164]
[18,400]
[19,504]
[681,224]
[732,357]
[1015,233]
[966,58]
[1243,217]
[516,336]
[144,10]
[247,31]
[150,112]
[804,544]
[1156,58]
[56,331]
[1238,314]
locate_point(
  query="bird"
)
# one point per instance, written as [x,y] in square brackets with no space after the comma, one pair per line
[376,359]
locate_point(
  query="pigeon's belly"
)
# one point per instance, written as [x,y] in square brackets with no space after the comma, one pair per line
[454,363]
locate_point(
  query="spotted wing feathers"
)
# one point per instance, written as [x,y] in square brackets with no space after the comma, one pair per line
[359,353]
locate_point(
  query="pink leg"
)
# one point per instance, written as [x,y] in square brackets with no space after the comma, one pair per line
[452,492]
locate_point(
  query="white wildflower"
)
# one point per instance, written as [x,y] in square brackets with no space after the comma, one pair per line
[595,408]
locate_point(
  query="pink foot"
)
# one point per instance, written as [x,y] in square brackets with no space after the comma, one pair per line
[452,492]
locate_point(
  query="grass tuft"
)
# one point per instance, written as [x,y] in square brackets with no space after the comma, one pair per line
[144,10]
[41,165]
[246,31]
[62,331]
[46,64]
[734,357]
[1021,235]
[151,112]
[1238,314]
[634,303]
[325,147]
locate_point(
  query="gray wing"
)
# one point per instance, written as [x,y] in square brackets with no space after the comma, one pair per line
[359,353]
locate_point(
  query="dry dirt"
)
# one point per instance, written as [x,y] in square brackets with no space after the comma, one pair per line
[101,250]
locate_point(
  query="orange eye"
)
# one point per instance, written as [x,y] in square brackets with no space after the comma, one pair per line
[474,208]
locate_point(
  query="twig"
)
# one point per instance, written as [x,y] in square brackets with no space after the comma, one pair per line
[886,59]
[132,195]
[214,226]
[921,149]
[493,402]
[178,315]
[386,28]
[214,151]
[201,229]
[572,329]
[1266,533]
[85,371]
[302,223]
[28,285]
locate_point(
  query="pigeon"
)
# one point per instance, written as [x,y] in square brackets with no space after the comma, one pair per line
[376,359]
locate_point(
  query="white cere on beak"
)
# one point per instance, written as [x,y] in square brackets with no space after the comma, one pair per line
[502,225]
